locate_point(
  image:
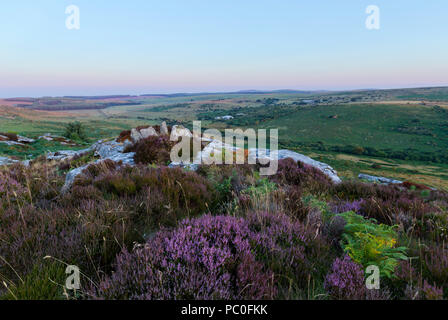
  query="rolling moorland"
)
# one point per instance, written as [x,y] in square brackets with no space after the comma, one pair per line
[401,134]
[147,231]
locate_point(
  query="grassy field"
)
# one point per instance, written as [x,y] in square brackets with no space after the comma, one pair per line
[377,126]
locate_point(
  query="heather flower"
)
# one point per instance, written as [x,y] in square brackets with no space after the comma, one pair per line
[436,262]
[291,250]
[345,206]
[432,292]
[10,188]
[346,280]
[205,258]
[291,172]
[219,257]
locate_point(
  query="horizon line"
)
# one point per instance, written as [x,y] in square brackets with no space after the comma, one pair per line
[248,91]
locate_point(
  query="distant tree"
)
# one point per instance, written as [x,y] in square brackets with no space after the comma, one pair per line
[75,131]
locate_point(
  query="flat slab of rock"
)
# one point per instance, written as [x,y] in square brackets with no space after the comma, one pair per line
[378,179]
[66,154]
[216,147]
[25,139]
[4,161]
[12,143]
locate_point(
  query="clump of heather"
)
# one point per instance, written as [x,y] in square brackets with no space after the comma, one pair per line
[354,190]
[345,206]
[291,250]
[436,265]
[205,258]
[220,257]
[390,211]
[294,205]
[346,280]
[163,195]
[152,150]
[334,229]
[432,292]
[229,180]
[10,189]
[296,173]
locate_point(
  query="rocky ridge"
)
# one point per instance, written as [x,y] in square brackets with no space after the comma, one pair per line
[114,150]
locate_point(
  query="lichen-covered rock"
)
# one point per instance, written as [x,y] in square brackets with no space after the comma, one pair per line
[148,132]
[4,161]
[325,168]
[123,158]
[24,139]
[136,135]
[66,154]
[179,131]
[12,143]
[164,129]
[105,149]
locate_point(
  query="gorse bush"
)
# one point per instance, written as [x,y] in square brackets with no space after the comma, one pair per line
[75,131]
[369,243]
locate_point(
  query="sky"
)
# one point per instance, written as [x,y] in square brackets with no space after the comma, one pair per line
[146,46]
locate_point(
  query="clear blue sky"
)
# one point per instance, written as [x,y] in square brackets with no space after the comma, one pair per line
[145,46]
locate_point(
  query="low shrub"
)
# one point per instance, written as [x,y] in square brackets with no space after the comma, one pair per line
[152,150]
[205,258]
[219,257]
[346,280]
[160,195]
[432,292]
[10,136]
[345,206]
[228,180]
[298,255]
[388,211]
[294,205]
[75,131]
[291,172]
[435,262]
